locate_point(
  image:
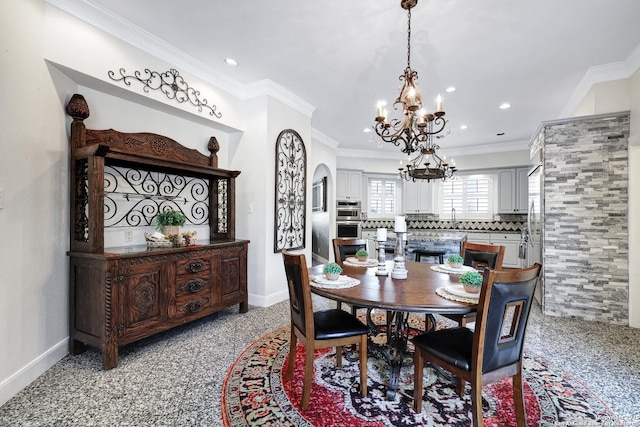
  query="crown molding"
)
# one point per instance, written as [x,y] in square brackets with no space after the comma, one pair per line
[602,73]
[118,27]
[270,88]
[497,147]
[320,137]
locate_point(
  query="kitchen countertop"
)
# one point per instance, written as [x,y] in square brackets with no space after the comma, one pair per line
[433,235]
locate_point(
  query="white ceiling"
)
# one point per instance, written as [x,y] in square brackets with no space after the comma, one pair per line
[341,56]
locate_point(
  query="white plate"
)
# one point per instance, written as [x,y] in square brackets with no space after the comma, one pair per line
[369,262]
[324,281]
[449,269]
[458,290]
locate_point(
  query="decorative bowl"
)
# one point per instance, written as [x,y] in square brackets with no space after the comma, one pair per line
[332,276]
[455,264]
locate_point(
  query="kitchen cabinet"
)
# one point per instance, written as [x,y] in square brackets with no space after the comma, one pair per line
[513,190]
[348,184]
[119,295]
[418,197]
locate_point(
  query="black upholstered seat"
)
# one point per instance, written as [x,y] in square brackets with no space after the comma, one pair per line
[322,329]
[494,350]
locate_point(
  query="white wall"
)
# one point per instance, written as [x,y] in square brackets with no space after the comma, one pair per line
[35,214]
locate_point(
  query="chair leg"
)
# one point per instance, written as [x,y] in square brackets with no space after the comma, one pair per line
[293,342]
[460,382]
[308,376]
[339,356]
[363,365]
[476,403]
[418,371]
[518,398]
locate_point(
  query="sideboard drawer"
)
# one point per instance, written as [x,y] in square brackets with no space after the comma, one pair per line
[193,266]
[191,285]
[187,306]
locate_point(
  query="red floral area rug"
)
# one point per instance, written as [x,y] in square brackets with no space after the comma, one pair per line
[254,393]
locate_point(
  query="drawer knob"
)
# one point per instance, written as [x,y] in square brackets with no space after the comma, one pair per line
[195,286]
[195,267]
[194,307]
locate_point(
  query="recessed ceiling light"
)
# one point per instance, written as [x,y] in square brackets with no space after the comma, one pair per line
[504,106]
[366,130]
[231,62]
[463,127]
[450,89]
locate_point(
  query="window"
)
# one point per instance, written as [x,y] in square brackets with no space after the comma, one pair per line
[469,195]
[384,197]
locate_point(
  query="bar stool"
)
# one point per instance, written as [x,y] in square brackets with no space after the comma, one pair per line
[427,253]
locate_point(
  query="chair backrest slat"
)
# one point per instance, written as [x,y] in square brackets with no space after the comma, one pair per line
[503,311]
[299,292]
[342,248]
[480,256]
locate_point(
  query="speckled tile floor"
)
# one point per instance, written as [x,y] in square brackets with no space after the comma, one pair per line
[175,378]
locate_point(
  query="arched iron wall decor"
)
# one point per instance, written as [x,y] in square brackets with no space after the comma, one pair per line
[291,191]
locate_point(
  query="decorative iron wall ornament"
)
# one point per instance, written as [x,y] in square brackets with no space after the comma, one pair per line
[171,83]
[290,206]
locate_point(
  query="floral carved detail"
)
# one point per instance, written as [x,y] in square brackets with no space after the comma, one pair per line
[144,298]
[171,83]
[158,146]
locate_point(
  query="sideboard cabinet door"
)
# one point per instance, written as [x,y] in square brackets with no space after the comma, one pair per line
[141,294]
[232,276]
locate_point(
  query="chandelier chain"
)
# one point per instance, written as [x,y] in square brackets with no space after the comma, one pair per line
[409,38]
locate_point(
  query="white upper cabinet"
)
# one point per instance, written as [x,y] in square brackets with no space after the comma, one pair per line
[513,190]
[418,197]
[348,184]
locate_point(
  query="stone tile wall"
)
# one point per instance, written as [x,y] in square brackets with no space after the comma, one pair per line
[585,225]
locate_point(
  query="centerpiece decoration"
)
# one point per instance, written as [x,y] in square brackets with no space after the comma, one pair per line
[381,240]
[455,261]
[332,271]
[362,255]
[399,271]
[471,281]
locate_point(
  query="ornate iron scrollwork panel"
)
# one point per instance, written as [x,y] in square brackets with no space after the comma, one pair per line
[290,206]
[133,197]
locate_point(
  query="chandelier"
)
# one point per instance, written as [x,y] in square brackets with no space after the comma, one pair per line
[415,131]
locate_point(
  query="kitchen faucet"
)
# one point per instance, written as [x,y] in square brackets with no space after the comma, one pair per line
[453,218]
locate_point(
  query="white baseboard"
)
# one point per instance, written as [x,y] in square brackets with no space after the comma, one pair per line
[268,300]
[28,373]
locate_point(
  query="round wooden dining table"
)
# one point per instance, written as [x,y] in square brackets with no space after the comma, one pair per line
[399,297]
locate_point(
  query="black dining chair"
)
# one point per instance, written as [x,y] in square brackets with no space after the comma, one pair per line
[321,329]
[478,256]
[490,353]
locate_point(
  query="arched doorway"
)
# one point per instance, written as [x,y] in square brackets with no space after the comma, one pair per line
[321,214]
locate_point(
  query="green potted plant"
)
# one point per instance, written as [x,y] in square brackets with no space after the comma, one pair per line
[455,261]
[332,271]
[471,281]
[362,255]
[170,221]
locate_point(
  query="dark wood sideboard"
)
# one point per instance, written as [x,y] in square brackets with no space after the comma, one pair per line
[123,294]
